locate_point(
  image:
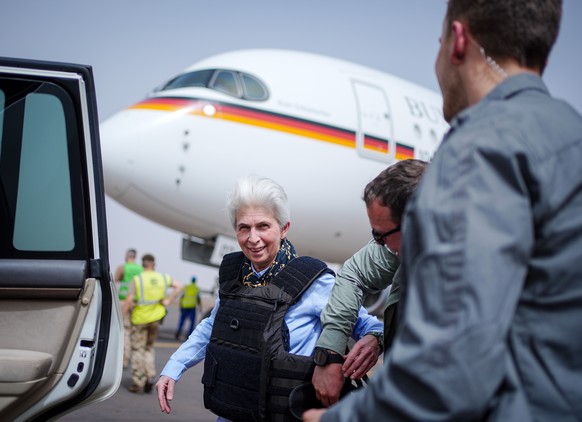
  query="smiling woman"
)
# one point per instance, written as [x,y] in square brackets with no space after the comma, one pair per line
[259,213]
[262,332]
[259,236]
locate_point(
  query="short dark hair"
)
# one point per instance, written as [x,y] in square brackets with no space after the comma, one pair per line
[148,257]
[524,30]
[394,186]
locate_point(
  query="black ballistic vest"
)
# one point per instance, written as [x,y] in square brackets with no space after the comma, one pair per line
[249,373]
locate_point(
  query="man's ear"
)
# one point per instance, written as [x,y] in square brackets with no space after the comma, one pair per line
[459,42]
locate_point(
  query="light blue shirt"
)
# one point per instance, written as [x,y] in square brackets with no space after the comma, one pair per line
[303,321]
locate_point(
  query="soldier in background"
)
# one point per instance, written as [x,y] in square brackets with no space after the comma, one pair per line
[123,275]
[147,295]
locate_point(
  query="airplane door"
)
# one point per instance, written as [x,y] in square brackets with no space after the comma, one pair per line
[60,323]
[374,137]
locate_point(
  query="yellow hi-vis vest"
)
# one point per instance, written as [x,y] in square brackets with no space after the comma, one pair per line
[189,298]
[150,289]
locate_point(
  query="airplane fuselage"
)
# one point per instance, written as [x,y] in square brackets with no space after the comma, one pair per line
[321,127]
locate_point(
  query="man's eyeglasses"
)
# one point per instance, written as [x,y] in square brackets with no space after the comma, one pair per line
[380,238]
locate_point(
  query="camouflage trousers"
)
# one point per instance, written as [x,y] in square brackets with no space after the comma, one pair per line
[143,367]
[126,340]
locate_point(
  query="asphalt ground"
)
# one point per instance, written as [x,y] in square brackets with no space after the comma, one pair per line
[187,405]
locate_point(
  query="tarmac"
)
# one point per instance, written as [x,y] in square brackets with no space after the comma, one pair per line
[187,405]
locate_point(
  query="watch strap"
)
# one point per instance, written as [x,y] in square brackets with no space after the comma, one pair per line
[334,358]
[380,337]
[323,357]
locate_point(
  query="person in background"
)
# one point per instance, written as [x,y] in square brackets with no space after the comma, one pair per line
[267,271]
[147,301]
[372,269]
[188,303]
[492,239]
[123,275]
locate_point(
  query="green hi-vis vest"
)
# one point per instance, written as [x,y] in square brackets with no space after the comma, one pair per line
[189,298]
[130,270]
[150,289]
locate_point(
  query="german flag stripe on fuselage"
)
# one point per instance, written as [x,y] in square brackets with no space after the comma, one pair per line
[270,120]
[404,152]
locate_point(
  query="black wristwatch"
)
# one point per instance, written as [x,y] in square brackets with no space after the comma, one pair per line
[323,357]
[380,337]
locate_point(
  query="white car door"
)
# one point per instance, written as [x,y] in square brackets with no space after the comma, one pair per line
[60,323]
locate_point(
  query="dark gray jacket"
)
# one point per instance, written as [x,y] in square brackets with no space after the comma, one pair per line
[492,272]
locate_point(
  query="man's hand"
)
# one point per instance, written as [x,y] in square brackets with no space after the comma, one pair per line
[328,382]
[361,358]
[313,415]
[126,305]
[165,389]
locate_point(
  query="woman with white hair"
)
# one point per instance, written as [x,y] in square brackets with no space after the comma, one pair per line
[259,338]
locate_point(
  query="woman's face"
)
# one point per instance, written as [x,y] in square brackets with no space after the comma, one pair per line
[259,235]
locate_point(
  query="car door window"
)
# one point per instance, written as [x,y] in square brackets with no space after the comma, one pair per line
[2,103]
[60,322]
[43,218]
[43,202]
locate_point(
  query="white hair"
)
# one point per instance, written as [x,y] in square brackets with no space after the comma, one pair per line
[258,191]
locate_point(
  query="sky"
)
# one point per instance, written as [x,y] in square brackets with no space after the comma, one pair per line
[135,45]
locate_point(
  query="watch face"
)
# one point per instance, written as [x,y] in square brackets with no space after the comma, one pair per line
[320,357]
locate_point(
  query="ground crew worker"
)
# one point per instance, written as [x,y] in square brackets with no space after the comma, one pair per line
[147,295]
[188,302]
[123,275]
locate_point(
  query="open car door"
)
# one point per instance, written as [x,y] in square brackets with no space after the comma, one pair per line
[60,323]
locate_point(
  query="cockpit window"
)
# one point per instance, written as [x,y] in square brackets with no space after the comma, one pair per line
[200,78]
[238,84]
[225,81]
[254,89]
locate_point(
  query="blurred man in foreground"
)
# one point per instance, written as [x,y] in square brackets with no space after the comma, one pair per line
[492,240]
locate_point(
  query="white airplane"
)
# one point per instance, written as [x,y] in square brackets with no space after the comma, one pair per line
[321,127]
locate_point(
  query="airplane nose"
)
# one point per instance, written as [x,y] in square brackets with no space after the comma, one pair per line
[120,150]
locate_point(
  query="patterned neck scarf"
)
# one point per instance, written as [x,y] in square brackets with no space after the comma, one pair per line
[286,253]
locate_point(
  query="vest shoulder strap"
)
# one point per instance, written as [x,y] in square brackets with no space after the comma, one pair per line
[298,275]
[294,279]
[141,299]
[230,268]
